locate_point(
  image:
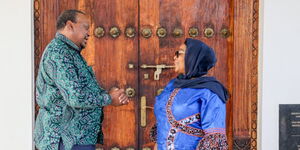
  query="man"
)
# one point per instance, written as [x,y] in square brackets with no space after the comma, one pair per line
[67,91]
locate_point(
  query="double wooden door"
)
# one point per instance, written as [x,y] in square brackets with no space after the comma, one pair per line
[130,40]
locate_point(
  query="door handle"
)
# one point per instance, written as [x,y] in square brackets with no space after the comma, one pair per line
[158,69]
[144,111]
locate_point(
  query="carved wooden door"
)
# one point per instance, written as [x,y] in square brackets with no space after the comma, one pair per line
[129,38]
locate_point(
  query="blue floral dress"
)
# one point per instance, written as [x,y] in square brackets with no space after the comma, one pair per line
[189,119]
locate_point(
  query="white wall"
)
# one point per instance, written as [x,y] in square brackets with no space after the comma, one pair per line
[280,64]
[15,75]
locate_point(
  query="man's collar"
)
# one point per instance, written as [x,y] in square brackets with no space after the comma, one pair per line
[67,41]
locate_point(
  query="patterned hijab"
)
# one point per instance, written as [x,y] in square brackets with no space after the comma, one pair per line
[199,58]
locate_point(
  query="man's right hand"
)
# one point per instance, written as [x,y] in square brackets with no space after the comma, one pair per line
[118,97]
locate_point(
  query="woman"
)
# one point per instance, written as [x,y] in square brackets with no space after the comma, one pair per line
[191,110]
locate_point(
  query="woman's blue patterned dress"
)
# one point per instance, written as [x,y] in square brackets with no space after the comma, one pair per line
[189,119]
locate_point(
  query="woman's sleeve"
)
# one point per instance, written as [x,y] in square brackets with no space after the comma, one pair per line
[213,117]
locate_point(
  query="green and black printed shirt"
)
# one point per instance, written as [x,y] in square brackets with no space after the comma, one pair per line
[69,98]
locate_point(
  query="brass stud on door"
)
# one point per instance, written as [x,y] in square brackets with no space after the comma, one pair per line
[209,32]
[225,33]
[130,32]
[130,92]
[99,32]
[114,32]
[146,33]
[115,148]
[193,32]
[161,32]
[177,33]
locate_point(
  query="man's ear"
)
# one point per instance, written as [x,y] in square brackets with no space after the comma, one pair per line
[70,25]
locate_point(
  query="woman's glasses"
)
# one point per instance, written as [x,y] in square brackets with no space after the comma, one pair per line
[179,52]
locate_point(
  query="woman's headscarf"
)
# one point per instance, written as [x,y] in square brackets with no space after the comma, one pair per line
[199,58]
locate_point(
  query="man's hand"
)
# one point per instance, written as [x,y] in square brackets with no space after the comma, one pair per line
[118,97]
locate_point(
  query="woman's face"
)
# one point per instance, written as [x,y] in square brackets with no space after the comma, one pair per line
[179,59]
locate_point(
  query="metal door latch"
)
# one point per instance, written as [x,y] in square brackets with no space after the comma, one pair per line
[158,69]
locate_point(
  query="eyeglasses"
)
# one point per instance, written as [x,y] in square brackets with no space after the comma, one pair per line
[178,52]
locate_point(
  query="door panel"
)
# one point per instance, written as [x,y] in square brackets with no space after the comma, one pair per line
[184,15]
[108,56]
[111,67]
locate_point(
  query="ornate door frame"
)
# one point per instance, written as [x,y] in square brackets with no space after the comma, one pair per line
[244,77]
